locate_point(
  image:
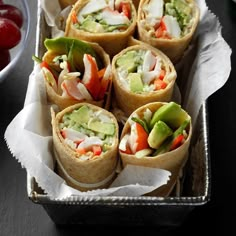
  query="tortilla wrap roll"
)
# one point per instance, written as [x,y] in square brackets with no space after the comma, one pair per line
[142,74]
[170,27]
[108,23]
[85,139]
[157,135]
[76,71]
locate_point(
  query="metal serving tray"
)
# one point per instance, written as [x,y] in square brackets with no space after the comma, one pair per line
[158,211]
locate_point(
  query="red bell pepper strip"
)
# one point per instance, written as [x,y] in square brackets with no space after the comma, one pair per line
[125,8]
[97,150]
[90,78]
[81,151]
[74,17]
[161,31]
[177,142]
[127,150]
[44,64]
[142,137]
[105,80]
[162,74]
[103,89]
[159,84]
[101,73]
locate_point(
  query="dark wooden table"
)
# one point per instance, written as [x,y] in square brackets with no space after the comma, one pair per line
[19,216]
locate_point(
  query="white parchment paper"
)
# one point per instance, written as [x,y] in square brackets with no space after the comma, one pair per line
[200,74]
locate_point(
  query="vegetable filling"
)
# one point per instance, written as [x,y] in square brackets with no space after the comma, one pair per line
[167,19]
[141,71]
[99,16]
[90,133]
[74,71]
[156,133]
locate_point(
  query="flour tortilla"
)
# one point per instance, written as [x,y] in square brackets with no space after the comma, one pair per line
[63,102]
[172,161]
[128,101]
[173,48]
[84,174]
[112,42]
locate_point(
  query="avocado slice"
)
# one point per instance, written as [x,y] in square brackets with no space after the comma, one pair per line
[171,113]
[92,26]
[74,49]
[160,132]
[165,147]
[127,61]
[81,115]
[144,153]
[182,127]
[101,127]
[135,82]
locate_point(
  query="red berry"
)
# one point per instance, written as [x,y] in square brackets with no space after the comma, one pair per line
[11,12]
[4,58]
[10,34]
[1,2]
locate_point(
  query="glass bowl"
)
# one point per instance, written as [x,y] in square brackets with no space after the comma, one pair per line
[15,53]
